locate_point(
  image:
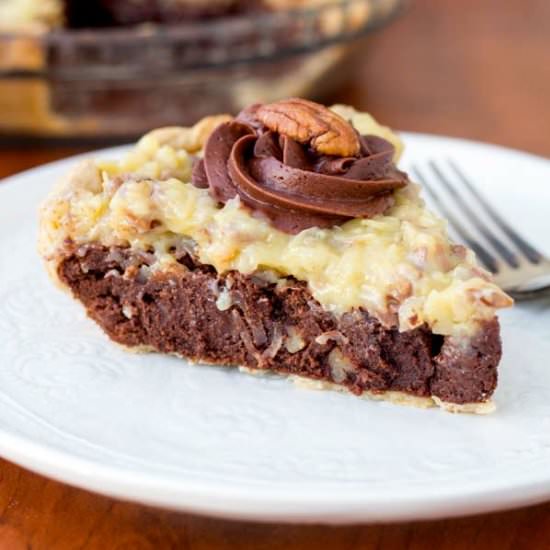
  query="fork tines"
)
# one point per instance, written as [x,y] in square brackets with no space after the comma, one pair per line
[507,249]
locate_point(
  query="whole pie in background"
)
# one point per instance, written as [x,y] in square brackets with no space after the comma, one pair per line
[113,69]
[51,14]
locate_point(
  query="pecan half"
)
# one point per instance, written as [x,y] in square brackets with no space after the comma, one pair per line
[309,122]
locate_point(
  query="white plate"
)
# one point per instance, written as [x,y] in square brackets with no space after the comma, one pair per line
[211,440]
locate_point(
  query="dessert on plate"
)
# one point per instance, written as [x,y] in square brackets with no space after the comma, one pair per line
[283,240]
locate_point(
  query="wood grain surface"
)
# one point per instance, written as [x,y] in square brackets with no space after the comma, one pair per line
[473,68]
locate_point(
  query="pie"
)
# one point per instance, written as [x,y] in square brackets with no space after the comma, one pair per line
[50,47]
[284,240]
[50,14]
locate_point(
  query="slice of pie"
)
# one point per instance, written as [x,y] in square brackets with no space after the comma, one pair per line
[283,240]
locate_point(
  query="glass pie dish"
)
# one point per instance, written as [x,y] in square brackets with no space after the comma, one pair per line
[115,83]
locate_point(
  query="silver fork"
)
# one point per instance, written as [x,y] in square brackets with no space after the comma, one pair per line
[519,268]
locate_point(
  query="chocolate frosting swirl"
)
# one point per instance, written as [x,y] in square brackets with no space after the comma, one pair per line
[291,184]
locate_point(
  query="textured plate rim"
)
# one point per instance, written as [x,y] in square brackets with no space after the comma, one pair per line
[275,505]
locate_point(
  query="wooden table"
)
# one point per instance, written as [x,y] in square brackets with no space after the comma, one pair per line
[469,68]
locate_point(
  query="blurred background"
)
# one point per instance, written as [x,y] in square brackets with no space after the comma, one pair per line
[79,74]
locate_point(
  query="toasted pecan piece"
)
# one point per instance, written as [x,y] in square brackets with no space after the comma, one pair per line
[309,122]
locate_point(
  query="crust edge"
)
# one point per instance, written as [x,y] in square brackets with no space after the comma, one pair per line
[394,397]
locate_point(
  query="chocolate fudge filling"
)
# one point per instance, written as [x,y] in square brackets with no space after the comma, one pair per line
[235,319]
